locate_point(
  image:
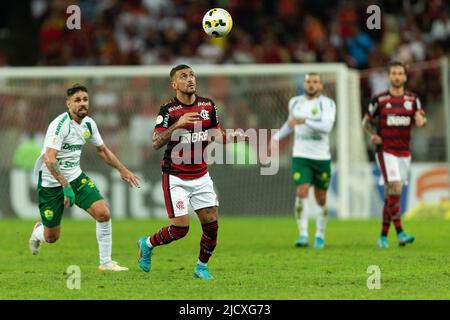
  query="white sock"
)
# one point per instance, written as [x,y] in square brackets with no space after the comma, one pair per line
[104,239]
[201,263]
[148,243]
[38,233]
[301,214]
[321,221]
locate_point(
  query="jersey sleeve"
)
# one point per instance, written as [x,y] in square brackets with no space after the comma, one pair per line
[162,120]
[95,138]
[214,117]
[418,106]
[328,116]
[329,112]
[56,133]
[372,109]
[290,108]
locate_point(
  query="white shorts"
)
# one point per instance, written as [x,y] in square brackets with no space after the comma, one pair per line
[178,193]
[393,168]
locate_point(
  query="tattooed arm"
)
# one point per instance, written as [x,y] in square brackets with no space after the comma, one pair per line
[52,166]
[161,138]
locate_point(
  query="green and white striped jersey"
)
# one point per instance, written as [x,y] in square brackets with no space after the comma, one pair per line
[68,137]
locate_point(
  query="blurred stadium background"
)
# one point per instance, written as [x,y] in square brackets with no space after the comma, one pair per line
[124,52]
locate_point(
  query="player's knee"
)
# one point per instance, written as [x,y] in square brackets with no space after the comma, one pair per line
[321,200]
[51,238]
[302,192]
[395,189]
[103,216]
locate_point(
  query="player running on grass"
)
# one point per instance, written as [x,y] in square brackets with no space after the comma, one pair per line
[311,118]
[388,121]
[184,179]
[62,183]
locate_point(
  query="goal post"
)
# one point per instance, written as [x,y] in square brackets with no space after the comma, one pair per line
[250,95]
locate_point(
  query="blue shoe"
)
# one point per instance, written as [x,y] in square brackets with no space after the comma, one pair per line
[319,243]
[302,241]
[383,242]
[144,254]
[404,238]
[202,272]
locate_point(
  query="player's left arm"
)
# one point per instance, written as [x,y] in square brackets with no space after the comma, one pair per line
[419,115]
[326,121]
[109,157]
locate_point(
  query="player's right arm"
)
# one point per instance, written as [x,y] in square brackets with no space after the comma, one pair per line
[56,133]
[372,111]
[163,132]
[52,165]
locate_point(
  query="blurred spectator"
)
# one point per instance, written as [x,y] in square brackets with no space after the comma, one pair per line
[151,32]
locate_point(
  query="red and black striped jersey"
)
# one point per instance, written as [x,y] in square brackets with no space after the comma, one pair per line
[183,156]
[393,117]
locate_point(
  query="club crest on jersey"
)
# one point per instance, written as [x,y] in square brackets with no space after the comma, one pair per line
[180,205]
[408,105]
[86,135]
[204,114]
[314,110]
[48,214]
[388,105]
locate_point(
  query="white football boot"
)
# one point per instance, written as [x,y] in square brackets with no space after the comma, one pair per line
[111,266]
[34,244]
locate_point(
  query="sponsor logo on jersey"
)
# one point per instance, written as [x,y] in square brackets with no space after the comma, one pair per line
[159,119]
[398,120]
[194,137]
[166,121]
[204,114]
[68,164]
[58,128]
[175,108]
[204,104]
[72,147]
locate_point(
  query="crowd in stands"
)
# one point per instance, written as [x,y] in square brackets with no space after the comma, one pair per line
[149,32]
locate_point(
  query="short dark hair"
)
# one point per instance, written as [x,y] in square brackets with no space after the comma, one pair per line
[76,88]
[397,64]
[177,68]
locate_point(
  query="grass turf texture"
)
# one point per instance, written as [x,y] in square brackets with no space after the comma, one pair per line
[255,259]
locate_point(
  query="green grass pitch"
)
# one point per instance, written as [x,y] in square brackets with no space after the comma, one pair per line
[255,259]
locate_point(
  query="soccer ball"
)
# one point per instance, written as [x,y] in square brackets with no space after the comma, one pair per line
[217,23]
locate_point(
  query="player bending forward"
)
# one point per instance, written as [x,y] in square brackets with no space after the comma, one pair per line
[184,179]
[62,183]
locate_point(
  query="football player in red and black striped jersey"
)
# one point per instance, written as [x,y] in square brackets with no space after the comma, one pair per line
[389,121]
[185,125]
